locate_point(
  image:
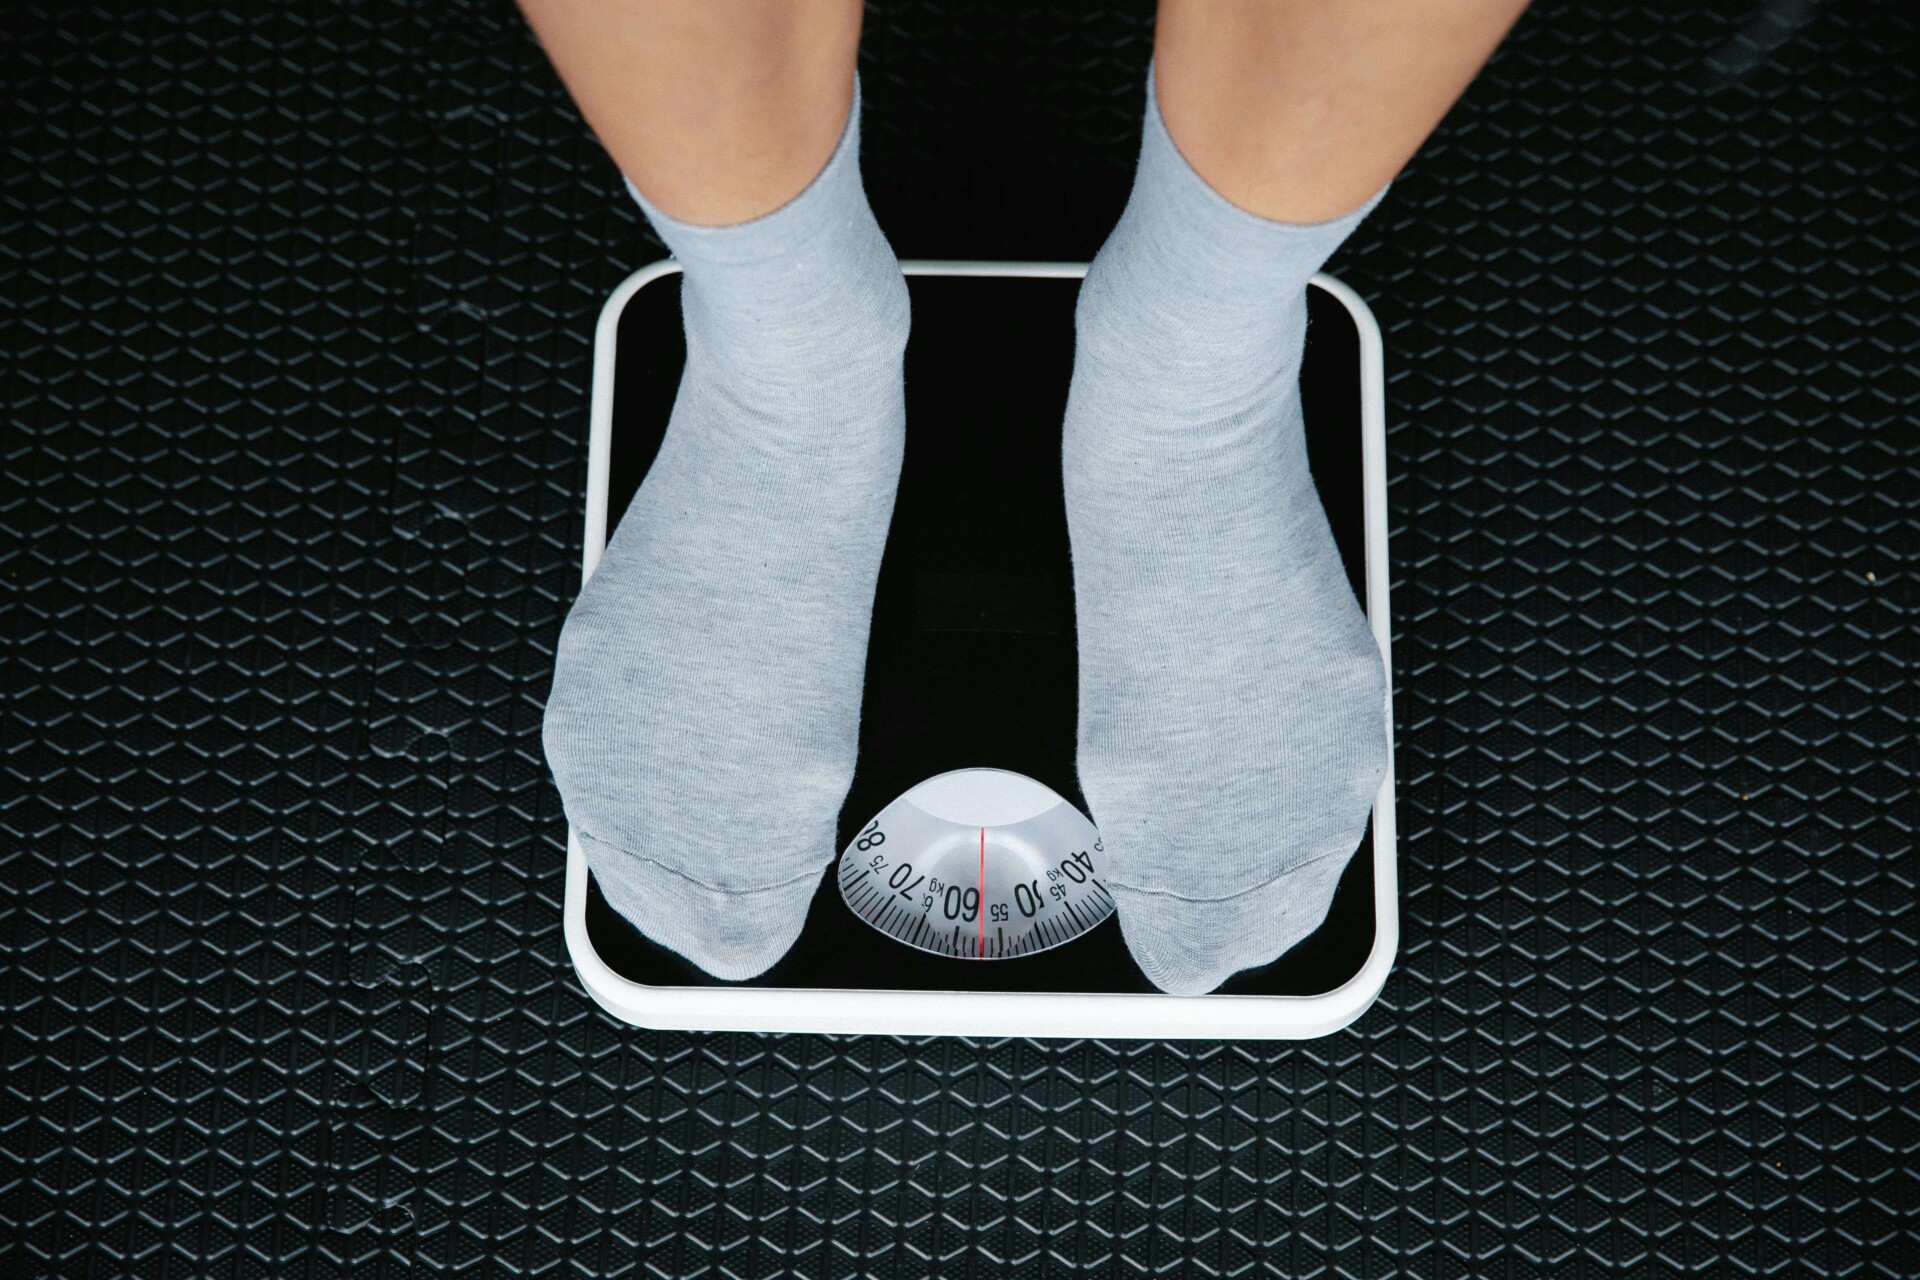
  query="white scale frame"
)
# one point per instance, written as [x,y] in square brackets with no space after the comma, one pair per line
[1039,1014]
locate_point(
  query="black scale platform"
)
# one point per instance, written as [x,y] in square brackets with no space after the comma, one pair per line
[972,657]
[295,307]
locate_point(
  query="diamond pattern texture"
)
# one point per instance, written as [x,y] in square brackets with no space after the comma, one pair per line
[295,303]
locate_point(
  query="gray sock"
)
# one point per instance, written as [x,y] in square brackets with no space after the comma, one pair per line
[1232,726]
[706,693]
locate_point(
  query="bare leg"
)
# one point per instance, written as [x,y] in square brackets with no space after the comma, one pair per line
[718,112]
[1298,110]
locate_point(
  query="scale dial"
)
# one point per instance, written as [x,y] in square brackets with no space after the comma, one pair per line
[981,864]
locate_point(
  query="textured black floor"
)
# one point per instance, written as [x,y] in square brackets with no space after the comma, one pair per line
[294,314]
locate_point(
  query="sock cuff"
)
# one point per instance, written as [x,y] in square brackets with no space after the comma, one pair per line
[819,206]
[1232,233]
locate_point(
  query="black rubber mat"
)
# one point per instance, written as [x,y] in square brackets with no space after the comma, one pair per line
[295,304]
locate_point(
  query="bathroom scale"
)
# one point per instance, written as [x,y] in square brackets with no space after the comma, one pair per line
[966,898]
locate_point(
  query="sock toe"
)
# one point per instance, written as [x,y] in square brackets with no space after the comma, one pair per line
[732,935]
[1187,947]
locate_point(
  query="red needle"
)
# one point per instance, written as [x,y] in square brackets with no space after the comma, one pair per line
[982,951]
